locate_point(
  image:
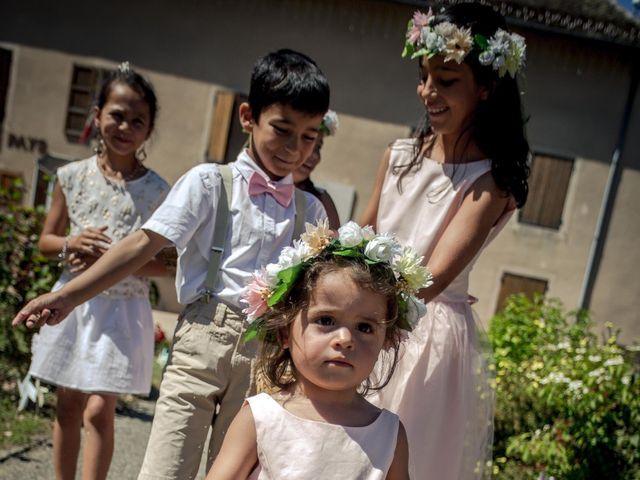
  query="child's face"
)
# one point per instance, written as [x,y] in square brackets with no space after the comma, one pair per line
[282,139]
[312,161]
[335,342]
[450,94]
[124,120]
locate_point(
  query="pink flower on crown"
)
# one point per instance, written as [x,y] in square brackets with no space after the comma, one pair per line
[256,297]
[419,20]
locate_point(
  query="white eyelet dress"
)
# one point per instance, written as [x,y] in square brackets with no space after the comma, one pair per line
[106,344]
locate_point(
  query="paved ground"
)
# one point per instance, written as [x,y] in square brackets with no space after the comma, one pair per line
[132,431]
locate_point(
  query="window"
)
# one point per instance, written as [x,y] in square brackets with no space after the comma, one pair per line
[5,69]
[548,186]
[512,284]
[85,83]
[226,138]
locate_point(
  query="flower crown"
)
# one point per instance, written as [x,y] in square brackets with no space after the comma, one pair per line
[271,285]
[503,51]
[329,125]
[124,67]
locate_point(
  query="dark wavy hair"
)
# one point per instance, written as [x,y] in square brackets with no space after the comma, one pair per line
[499,126]
[137,82]
[290,78]
[275,364]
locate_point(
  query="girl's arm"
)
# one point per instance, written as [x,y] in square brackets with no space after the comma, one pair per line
[239,452]
[481,208]
[399,469]
[370,215]
[123,259]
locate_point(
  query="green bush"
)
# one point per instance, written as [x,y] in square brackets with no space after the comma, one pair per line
[24,274]
[568,404]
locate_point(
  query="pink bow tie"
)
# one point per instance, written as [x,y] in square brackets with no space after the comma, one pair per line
[282,193]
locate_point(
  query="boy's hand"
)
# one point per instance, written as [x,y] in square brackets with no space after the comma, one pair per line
[50,308]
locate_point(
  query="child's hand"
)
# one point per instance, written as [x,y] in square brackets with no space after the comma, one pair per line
[90,241]
[50,308]
[79,262]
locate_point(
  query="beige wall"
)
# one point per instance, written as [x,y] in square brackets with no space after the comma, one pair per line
[37,106]
[558,256]
[353,155]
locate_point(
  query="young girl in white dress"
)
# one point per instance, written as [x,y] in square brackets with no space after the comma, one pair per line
[105,348]
[447,193]
[324,313]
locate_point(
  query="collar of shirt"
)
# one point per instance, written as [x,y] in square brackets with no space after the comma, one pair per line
[246,166]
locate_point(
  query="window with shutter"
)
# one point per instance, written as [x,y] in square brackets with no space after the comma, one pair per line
[548,186]
[226,137]
[85,84]
[512,284]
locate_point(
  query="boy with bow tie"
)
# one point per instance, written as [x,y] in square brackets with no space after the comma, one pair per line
[209,372]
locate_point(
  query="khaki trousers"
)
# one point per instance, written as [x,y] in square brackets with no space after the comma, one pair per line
[207,378]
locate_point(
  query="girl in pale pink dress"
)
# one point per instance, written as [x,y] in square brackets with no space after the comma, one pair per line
[324,313]
[447,193]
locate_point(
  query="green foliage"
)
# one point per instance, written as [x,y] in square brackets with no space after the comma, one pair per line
[24,274]
[568,404]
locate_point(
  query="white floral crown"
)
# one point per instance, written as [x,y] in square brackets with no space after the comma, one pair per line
[272,284]
[329,125]
[503,51]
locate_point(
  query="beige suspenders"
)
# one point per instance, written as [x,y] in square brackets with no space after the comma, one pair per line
[222,223]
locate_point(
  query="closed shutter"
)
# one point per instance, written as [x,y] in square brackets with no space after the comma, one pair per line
[548,186]
[512,284]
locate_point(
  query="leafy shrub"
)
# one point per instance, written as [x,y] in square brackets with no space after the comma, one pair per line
[568,404]
[24,274]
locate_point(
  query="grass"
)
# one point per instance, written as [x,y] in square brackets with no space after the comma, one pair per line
[18,428]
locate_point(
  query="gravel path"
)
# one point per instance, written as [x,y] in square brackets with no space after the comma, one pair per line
[133,425]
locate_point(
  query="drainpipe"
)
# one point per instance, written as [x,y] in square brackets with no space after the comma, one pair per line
[613,181]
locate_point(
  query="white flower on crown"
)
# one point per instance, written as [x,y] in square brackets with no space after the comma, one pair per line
[270,274]
[292,256]
[350,234]
[330,123]
[409,266]
[382,248]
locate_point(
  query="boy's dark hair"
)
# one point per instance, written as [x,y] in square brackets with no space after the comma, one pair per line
[125,74]
[288,78]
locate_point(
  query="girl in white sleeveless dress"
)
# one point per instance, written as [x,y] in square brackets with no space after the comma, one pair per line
[106,346]
[447,193]
[324,313]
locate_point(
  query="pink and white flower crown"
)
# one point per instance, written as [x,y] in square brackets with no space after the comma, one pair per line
[271,285]
[505,52]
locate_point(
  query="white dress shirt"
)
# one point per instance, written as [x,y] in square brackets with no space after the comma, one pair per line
[259,228]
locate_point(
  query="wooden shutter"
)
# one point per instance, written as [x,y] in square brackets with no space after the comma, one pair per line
[5,69]
[85,83]
[220,123]
[512,284]
[548,186]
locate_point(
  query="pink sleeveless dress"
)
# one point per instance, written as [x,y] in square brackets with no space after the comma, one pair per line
[293,448]
[440,387]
